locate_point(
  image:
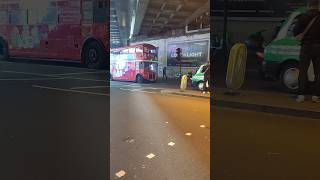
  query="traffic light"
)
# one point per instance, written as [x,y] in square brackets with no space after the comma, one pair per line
[179,53]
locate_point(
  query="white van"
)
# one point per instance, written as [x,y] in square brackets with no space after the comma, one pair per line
[281,56]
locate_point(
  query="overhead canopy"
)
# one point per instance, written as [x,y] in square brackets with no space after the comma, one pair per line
[132,18]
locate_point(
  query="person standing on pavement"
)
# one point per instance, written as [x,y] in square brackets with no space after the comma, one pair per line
[206,86]
[164,73]
[308,28]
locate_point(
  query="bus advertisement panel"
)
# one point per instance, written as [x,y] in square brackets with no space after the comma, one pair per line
[137,63]
[49,29]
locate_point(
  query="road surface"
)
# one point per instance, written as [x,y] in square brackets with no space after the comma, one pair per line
[254,145]
[158,137]
[50,127]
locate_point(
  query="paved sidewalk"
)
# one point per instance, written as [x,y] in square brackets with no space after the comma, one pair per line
[262,101]
[266,98]
[188,92]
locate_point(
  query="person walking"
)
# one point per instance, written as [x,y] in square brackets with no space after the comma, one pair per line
[307,30]
[164,73]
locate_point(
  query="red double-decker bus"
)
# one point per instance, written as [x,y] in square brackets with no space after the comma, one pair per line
[137,63]
[74,30]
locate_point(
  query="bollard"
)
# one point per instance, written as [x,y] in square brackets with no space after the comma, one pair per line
[236,67]
[184,82]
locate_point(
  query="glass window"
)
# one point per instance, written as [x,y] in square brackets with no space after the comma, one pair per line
[18,17]
[139,50]
[4,18]
[33,16]
[153,51]
[146,50]
[291,27]
[151,66]
[87,12]
[100,12]
[125,51]
[50,17]
[141,65]
[132,50]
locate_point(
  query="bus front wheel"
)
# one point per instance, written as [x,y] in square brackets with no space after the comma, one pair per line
[4,51]
[94,55]
[139,79]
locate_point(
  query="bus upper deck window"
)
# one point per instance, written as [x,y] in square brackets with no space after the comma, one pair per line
[132,50]
[146,50]
[139,50]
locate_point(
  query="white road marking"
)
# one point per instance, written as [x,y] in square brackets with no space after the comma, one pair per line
[167,122]
[188,134]
[54,76]
[120,173]
[28,73]
[202,126]
[90,87]
[150,156]
[273,153]
[79,73]
[154,88]
[43,65]
[31,79]
[137,90]
[70,90]
[85,79]
[132,85]
[124,89]
[171,144]
[147,92]
[131,141]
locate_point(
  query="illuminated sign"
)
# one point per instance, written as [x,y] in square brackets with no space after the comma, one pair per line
[194,53]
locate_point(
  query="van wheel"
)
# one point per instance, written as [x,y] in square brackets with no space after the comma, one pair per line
[139,79]
[94,56]
[201,85]
[290,77]
[4,51]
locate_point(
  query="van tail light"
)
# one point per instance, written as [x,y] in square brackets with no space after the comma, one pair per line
[260,56]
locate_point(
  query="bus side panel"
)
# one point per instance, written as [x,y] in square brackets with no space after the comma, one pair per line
[26,41]
[67,46]
[38,41]
[61,38]
[131,71]
[123,71]
[119,70]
